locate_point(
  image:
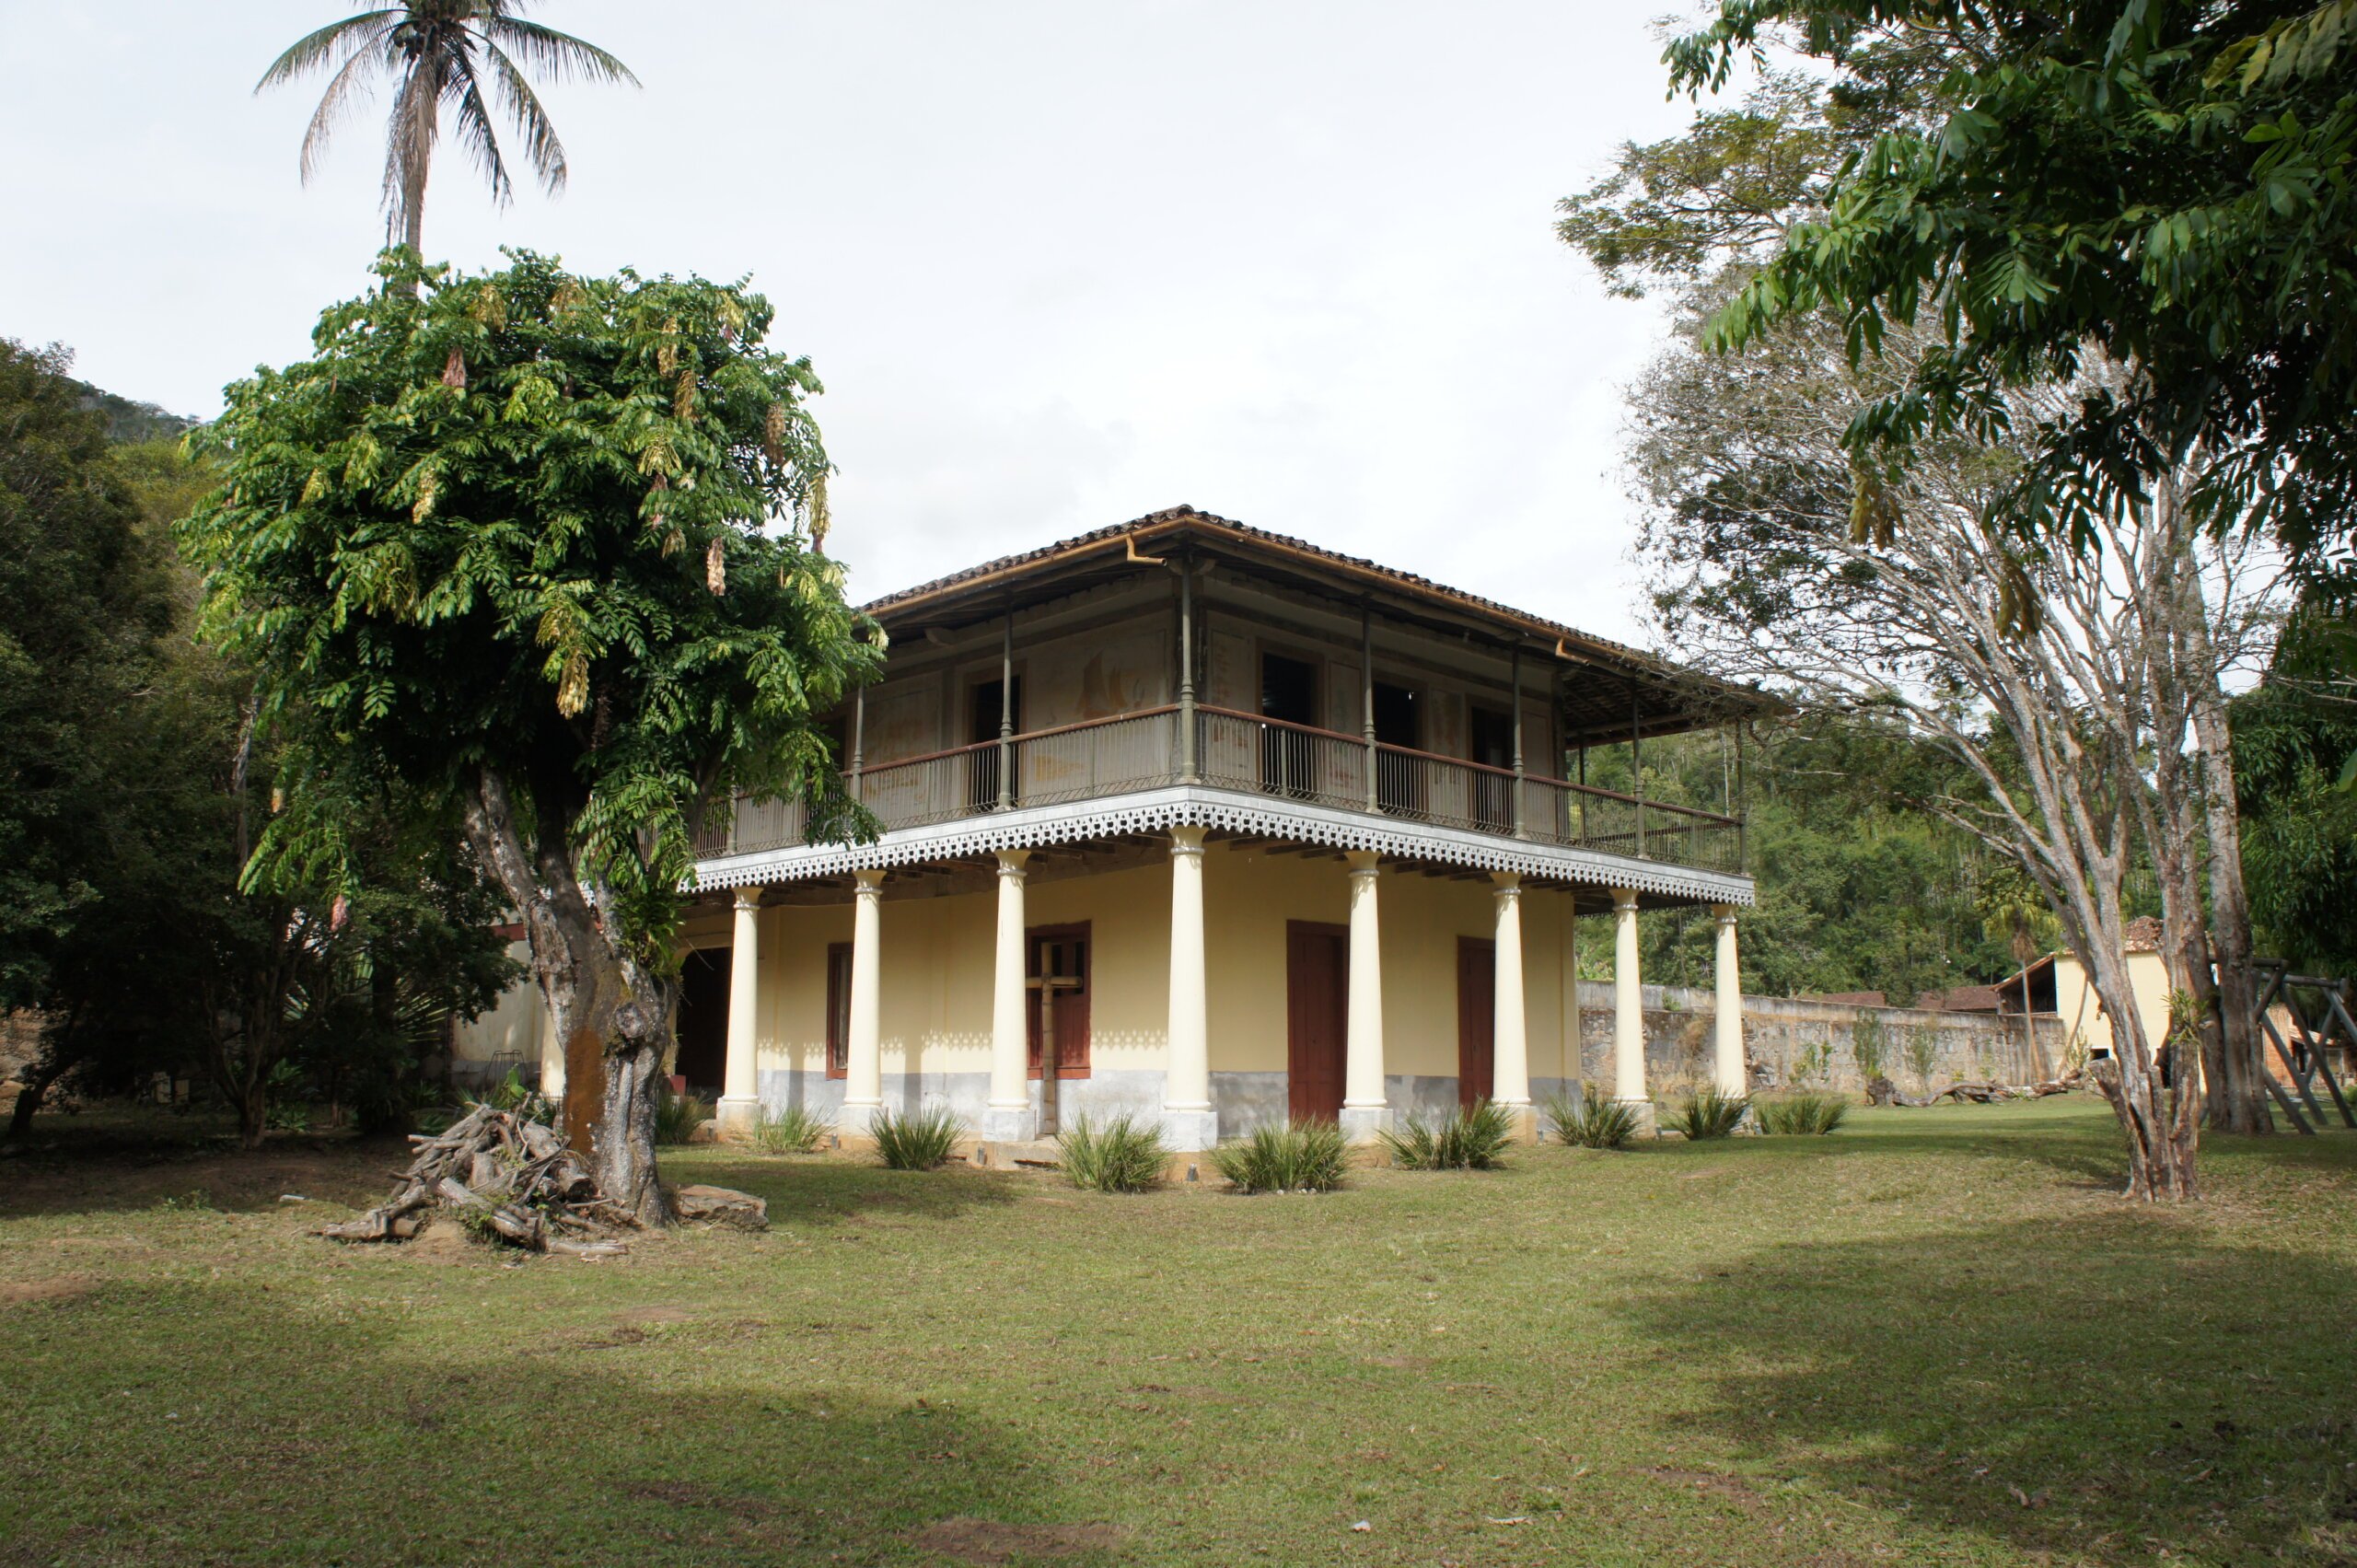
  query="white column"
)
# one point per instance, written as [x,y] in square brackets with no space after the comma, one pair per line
[1509,1031]
[1008,1117]
[1728,1026]
[1627,1009]
[1189,1122]
[1366,1108]
[740,1088]
[863,1071]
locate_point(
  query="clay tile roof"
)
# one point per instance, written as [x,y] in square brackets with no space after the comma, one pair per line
[1846,998]
[1205,523]
[2143,935]
[1960,999]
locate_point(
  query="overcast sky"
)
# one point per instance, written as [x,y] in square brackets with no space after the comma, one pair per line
[1059,264]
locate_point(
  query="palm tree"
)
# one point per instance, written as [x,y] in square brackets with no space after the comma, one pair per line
[439,53]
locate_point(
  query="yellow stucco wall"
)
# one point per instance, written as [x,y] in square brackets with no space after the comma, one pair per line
[2081,1012]
[937,958]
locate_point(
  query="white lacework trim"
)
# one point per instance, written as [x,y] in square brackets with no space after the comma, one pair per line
[1158,811]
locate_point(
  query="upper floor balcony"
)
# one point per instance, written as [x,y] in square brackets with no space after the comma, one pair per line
[1184,668]
[1225,749]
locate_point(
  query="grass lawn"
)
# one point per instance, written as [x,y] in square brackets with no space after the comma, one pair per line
[1934,1337]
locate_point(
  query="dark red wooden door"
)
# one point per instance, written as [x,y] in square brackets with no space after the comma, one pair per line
[1477,1007]
[1318,1007]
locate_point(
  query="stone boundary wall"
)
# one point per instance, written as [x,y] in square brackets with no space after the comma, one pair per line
[1794,1044]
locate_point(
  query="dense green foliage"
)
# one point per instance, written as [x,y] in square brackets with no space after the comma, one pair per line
[1123,1154]
[1286,1156]
[129,787]
[2294,738]
[1593,1119]
[1468,1138]
[2155,184]
[1808,1114]
[524,524]
[1859,887]
[916,1140]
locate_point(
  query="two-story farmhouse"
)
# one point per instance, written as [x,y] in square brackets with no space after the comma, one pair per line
[1189,819]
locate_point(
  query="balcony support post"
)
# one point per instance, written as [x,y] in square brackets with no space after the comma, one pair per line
[1627,1011]
[1366,699]
[1186,725]
[1006,714]
[858,739]
[1189,1125]
[864,1061]
[1727,1026]
[1008,1117]
[1521,828]
[740,1102]
[1365,1104]
[1637,768]
[1509,1031]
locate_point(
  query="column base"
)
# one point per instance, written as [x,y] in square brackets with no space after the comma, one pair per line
[737,1116]
[858,1119]
[1364,1123]
[1524,1118]
[1648,1120]
[1010,1124]
[1189,1132]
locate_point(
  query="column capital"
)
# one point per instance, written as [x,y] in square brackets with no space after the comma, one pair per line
[870,882]
[1624,898]
[750,898]
[1187,840]
[1011,861]
[1363,862]
[1508,889]
[1725,913]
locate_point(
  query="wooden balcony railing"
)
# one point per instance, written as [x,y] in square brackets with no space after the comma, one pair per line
[1230,750]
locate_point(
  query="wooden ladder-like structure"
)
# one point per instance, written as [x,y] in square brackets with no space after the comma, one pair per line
[2306,1056]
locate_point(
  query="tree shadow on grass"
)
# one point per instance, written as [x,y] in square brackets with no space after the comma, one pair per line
[206,1423]
[2090,1387]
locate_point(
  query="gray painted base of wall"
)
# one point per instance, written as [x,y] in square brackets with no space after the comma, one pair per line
[1241,1102]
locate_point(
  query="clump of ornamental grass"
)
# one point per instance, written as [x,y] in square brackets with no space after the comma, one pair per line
[1804,1115]
[1710,1112]
[1294,1156]
[1124,1155]
[677,1117]
[1471,1138]
[917,1140]
[796,1130]
[1592,1122]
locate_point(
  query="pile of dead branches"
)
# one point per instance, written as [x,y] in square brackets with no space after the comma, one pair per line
[1882,1091]
[495,1171]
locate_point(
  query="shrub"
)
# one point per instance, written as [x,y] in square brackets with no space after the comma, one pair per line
[677,1116]
[1124,1155]
[1592,1122]
[1298,1156]
[1467,1139]
[917,1140]
[1802,1115]
[1710,1112]
[796,1130]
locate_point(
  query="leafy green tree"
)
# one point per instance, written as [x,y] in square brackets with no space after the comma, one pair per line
[454,55]
[540,553]
[2157,186]
[2294,738]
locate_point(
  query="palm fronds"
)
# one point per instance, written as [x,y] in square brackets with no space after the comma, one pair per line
[1124,1155]
[1472,1138]
[1294,1157]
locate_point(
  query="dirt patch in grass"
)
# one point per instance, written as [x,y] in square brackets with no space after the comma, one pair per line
[59,1287]
[444,1241]
[640,1317]
[702,1499]
[1401,1362]
[987,1541]
[1732,1488]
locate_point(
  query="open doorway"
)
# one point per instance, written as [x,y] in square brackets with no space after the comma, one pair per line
[702,1063]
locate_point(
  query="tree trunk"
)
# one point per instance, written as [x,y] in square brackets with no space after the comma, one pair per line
[2238,1100]
[30,1093]
[613,1017]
